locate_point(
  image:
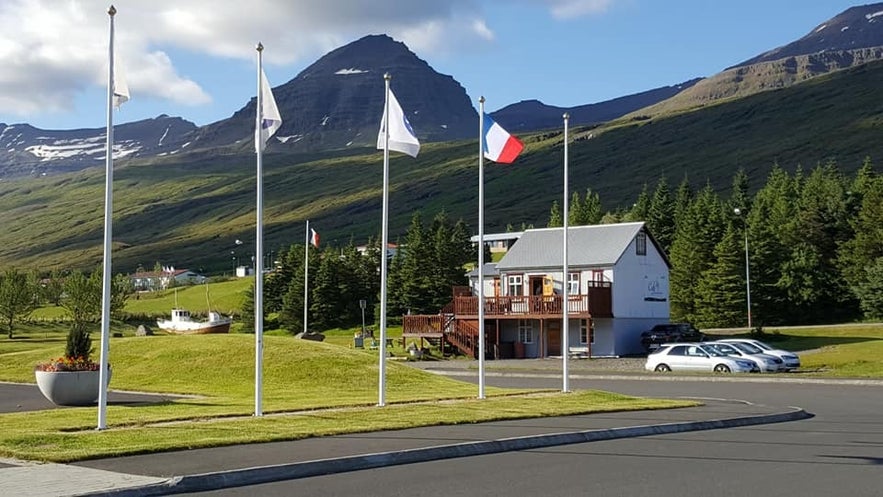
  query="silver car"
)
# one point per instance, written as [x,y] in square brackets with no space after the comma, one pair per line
[696,357]
[791,360]
[768,363]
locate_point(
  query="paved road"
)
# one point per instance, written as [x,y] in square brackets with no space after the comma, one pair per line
[838,452]
[17,397]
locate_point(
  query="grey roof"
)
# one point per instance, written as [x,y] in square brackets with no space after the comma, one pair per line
[490,269]
[496,237]
[593,246]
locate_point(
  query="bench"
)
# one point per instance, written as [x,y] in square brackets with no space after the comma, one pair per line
[581,351]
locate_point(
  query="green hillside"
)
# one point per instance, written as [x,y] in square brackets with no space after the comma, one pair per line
[188,210]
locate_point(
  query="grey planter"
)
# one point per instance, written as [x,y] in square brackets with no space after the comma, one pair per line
[70,388]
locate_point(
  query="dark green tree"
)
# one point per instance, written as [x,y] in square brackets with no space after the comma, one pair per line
[692,251]
[325,304]
[592,207]
[16,298]
[641,208]
[555,219]
[720,290]
[661,215]
[576,213]
[870,291]
[683,199]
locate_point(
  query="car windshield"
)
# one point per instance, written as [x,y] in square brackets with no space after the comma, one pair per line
[761,345]
[713,352]
[748,348]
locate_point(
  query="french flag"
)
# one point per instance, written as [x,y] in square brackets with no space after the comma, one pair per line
[499,145]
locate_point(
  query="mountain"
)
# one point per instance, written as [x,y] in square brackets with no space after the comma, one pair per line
[853,29]
[337,102]
[29,151]
[852,38]
[533,115]
[189,211]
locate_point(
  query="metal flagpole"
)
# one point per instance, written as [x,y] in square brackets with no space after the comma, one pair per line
[565,282]
[108,236]
[381,401]
[306,274]
[259,247]
[481,248]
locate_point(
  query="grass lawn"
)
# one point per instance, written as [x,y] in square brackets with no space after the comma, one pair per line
[316,388]
[843,351]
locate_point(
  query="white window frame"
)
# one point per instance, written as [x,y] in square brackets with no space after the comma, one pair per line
[525,331]
[573,283]
[586,332]
[515,281]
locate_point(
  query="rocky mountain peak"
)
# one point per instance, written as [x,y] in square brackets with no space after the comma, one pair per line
[853,29]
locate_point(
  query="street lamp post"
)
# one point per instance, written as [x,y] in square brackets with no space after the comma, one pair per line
[738,212]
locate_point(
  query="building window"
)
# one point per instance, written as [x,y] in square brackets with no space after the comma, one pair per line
[515,285]
[525,331]
[573,284]
[586,332]
[641,244]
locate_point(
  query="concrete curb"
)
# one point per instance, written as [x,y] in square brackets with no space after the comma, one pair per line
[661,377]
[268,474]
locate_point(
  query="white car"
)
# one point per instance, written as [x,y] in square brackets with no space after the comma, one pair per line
[791,360]
[768,363]
[696,357]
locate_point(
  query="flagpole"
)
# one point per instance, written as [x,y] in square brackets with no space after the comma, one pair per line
[384,243]
[306,274]
[565,281]
[481,345]
[259,247]
[108,237]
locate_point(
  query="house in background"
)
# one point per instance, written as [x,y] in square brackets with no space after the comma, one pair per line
[617,287]
[500,242]
[148,281]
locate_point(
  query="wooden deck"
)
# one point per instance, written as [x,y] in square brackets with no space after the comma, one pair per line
[597,303]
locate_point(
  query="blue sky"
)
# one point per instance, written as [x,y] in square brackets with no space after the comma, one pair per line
[195,59]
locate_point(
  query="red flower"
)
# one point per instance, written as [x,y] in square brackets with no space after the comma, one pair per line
[68,364]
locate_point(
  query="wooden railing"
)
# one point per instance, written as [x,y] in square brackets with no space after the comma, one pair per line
[597,303]
[464,336]
[421,323]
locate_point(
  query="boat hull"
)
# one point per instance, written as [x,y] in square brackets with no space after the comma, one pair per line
[201,330]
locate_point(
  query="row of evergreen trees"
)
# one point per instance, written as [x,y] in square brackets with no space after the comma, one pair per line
[815,245]
[420,277]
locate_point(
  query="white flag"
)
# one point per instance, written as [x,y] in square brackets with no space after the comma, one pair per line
[401,135]
[120,88]
[268,114]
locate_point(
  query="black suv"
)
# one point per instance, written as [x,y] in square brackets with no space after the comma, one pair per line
[670,332]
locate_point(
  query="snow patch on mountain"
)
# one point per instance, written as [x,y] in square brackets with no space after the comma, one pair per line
[350,71]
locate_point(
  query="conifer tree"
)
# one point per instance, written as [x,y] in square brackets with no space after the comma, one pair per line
[720,290]
[661,215]
[641,208]
[592,207]
[555,220]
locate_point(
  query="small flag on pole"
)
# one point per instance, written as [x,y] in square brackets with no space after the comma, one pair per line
[499,145]
[270,118]
[401,136]
[120,88]
[314,238]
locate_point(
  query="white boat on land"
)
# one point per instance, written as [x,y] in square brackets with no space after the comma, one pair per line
[183,324]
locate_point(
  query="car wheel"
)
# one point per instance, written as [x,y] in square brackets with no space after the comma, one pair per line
[721,368]
[663,368]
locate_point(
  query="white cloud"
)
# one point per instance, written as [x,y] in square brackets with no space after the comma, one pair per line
[55,50]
